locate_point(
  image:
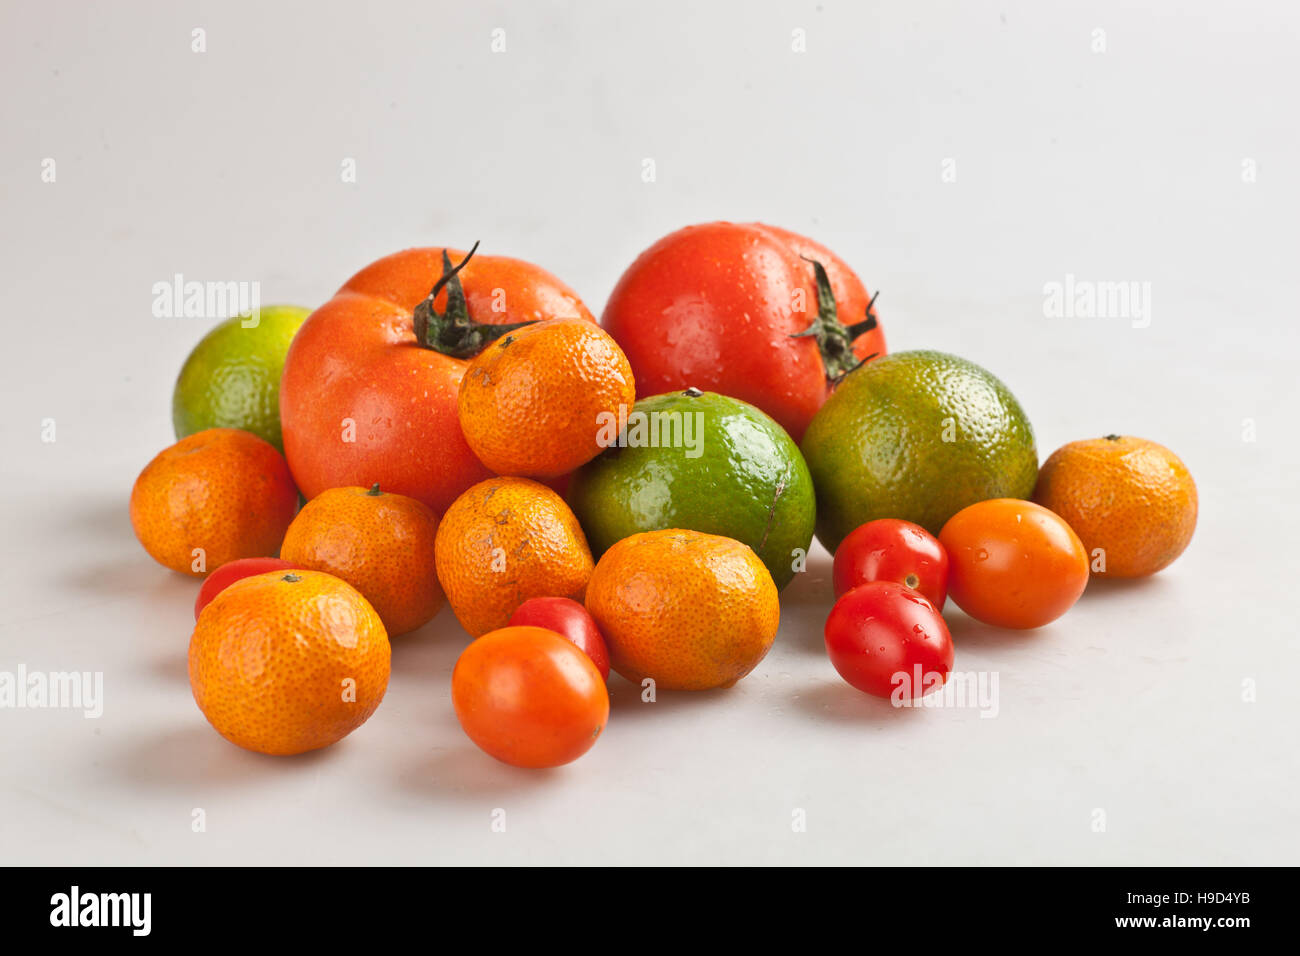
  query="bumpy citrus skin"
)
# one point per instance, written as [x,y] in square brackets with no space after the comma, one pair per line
[223,490]
[506,540]
[747,481]
[232,378]
[287,662]
[379,543]
[692,611]
[1132,498]
[917,436]
[532,403]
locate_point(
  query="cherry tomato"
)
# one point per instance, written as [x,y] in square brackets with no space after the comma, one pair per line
[890,549]
[887,639]
[1013,563]
[571,621]
[232,571]
[529,697]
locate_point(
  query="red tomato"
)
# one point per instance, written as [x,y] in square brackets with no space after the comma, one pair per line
[888,640]
[529,697]
[371,380]
[890,549]
[1013,563]
[571,621]
[232,571]
[724,307]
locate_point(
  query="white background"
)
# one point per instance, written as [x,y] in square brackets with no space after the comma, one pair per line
[1119,165]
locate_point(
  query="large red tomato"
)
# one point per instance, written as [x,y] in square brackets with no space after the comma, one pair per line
[735,308]
[364,399]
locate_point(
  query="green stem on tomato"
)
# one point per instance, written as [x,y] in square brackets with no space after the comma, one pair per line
[834,338]
[453,332]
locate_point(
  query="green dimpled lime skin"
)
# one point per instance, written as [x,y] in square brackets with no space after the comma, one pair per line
[232,378]
[918,436]
[735,473]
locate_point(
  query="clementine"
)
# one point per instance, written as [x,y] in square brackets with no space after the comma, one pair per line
[692,611]
[1131,501]
[381,544]
[504,541]
[287,662]
[214,496]
[536,402]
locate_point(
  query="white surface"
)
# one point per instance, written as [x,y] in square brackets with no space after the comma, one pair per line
[1122,165]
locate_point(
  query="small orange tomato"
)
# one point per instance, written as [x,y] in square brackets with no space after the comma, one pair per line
[1013,563]
[529,697]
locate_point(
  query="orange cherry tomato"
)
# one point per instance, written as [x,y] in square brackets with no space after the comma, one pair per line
[1013,563]
[529,697]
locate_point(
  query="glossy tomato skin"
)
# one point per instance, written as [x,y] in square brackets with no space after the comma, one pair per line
[361,402]
[1013,563]
[571,621]
[529,697]
[714,306]
[890,549]
[232,571]
[888,640]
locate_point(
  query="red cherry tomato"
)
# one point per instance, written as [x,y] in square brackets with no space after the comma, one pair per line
[893,550]
[232,571]
[888,640]
[1014,563]
[571,621]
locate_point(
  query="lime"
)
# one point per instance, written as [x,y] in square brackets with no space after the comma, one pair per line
[232,378]
[918,436]
[700,462]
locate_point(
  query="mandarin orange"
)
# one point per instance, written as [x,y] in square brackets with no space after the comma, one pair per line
[287,662]
[537,401]
[504,541]
[692,611]
[380,543]
[215,496]
[1131,501]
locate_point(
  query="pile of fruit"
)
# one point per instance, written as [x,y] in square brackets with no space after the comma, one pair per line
[630,495]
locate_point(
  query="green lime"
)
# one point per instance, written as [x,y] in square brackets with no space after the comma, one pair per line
[702,462]
[232,378]
[918,436]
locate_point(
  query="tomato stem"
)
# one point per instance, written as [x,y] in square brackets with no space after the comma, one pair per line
[454,332]
[834,338]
